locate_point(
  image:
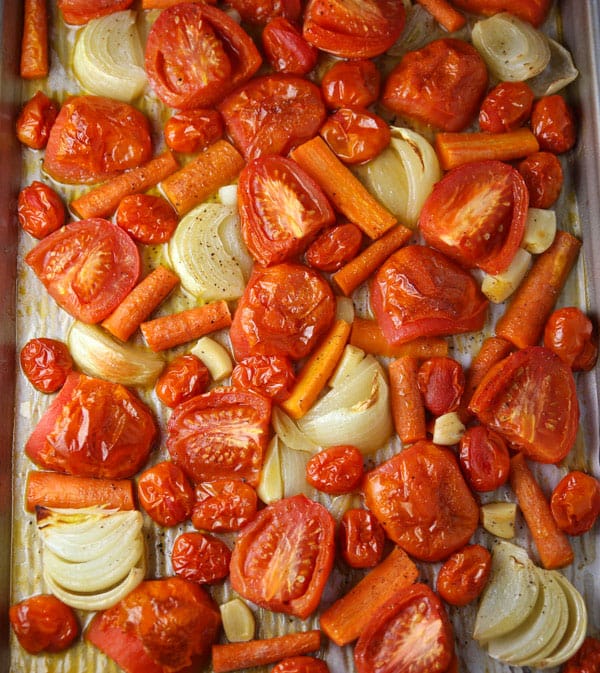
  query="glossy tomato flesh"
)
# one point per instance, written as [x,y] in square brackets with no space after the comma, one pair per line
[200,557]
[40,209]
[183,378]
[463,576]
[35,121]
[484,458]
[355,136]
[78,12]
[46,363]
[147,218]
[336,469]
[270,375]
[335,247]
[569,333]
[224,505]
[575,502]
[43,623]
[362,538]
[165,493]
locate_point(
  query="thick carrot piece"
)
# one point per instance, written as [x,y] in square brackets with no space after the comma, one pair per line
[443,12]
[348,195]
[140,302]
[34,45]
[351,275]
[408,410]
[367,335]
[52,489]
[455,149]
[553,545]
[345,620]
[179,328]
[523,321]
[235,656]
[103,200]
[218,165]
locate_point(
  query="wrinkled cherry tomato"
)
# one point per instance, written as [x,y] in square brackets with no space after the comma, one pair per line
[464,575]
[484,458]
[334,247]
[506,107]
[441,382]
[301,665]
[570,334]
[553,124]
[43,623]
[286,49]
[40,209]
[353,84]
[271,375]
[46,363]
[166,494]
[147,218]
[193,130]
[543,176]
[182,379]
[587,658]
[36,120]
[224,505]
[362,538]
[355,136]
[200,558]
[335,470]
[575,502]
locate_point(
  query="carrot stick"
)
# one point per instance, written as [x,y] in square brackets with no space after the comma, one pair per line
[455,149]
[408,410]
[235,656]
[34,45]
[52,489]
[218,165]
[443,12]
[523,321]
[317,370]
[351,275]
[367,335]
[553,545]
[104,199]
[179,328]
[344,190]
[140,303]
[345,620]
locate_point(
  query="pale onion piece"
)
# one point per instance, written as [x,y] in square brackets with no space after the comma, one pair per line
[99,354]
[293,472]
[228,195]
[233,243]
[499,287]
[498,518]
[512,49]
[448,429]
[351,358]
[420,28]
[78,521]
[344,309]
[540,230]
[238,621]
[270,486]
[215,356]
[290,434]
[386,180]
[340,504]
[559,73]
[108,59]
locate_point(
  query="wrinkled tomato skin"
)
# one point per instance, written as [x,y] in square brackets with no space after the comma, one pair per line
[543,176]
[260,12]
[201,558]
[533,11]
[193,130]
[362,538]
[46,363]
[440,85]
[553,124]
[335,247]
[484,458]
[587,658]
[183,378]
[355,136]
[335,470]
[575,502]
[270,375]
[570,334]
[40,210]
[166,494]
[285,48]
[506,107]
[441,381]
[35,121]
[463,576]
[224,505]
[78,12]
[43,623]
[353,84]
[147,218]
[301,665]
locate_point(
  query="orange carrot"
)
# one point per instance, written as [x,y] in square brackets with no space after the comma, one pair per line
[179,328]
[218,165]
[345,620]
[140,303]
[455,149]
[104,199]
[34,45]
[367,335]
[317,370]
[345,191]
[554,548]
[523,321]
[351,275]
[52,489]
[408,410]
[235,656]
[443,12]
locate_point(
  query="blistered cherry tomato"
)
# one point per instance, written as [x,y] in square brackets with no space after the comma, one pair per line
[271,375]
[575,502]
[362,538]
[355,136]
[570,334]
[286,49]
[351,84]
[182,379]
[543,176]
[224,505]
[193,130]
[336,470]
[506,107]
[200,558]
[441,382]
[301,665]
[587,658]
[553,124]
[35,121]
[484,458]
[43,623]
[40,209]
[147,218]
[166,494]
[335,247]
[46,363]
[464,575]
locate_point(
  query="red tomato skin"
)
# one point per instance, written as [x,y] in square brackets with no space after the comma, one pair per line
[575,502]
[506,107]
[543,176]
[193,130]
[440,85]
[224,505]
[40,210]
[147,218]
[441,381]
[484,458]
[356,136]
[335,247]
[78,12]
[262,11]
[335,470]
[46,363]
[300,665]
[35,121]
[43,623]
[183,378]
[463,576]
[587,658]
[362,538]
[270,375]
[570,334]
[534,11]
[353,84]
[94,138]
[553,124]
[285,48]
[201,558]
[166,494]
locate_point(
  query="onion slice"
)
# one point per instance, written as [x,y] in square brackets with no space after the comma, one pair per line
[559,72]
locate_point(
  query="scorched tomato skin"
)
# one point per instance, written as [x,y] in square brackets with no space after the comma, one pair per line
[362,538]
[193,130]
[543,175]
[569,333]
[484,458]
[335,247]
[224,505]
[464,575]
[183,378]
[40,210]
[147,218]
[35,121]
[355,136]
[534,11]
[506,107]
[43,623]
[46,363]
[575,502]
[351,84]
[270,375]
[78,12]
[200,558]
[165,493]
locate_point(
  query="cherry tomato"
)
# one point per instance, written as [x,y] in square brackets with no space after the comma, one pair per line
[200,558]
[353,84]
[484,458]
[587,658]
[335,470]
[262,11]
[36,120]
[543,176]
[166,494]
[334,247]
[301,665]
[534,11]
[464,575]
[43,623]
[147,218]
[113,440]
[286,49]
[362,538]
[281,209]
[78,12]
[283,557]
[193,130]
[183,378]
[94,138]
[46,363]
[441,381]
[285,310]
[271,375]
[422,501]
[88,267]
[394,639]
[440,85]
[575,502]
[272,114]
[506,107]
[419,292]
[553,124]
[570,334]
[544,430]
[476,215]
[355,136]
[224,505]
[40,210]
[220,434]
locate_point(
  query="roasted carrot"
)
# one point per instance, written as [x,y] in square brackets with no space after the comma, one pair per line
[52,489]
[455,149]
[179,328]
[235,656]
[34,45]
[408,409]
[351,275]
[553,546]
[218,165]
[344,621]
[443,12]
[367,335]
[140,303]
[104,199]
[523,321]
[345,191]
